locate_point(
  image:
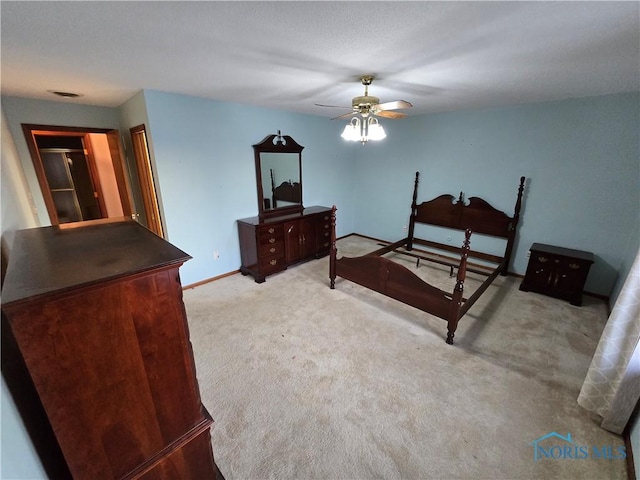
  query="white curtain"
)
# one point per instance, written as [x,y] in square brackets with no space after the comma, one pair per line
[611,388]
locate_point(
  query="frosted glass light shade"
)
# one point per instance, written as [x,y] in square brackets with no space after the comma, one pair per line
[352,131]
[376,132]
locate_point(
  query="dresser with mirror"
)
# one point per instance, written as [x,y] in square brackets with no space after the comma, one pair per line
[284,232]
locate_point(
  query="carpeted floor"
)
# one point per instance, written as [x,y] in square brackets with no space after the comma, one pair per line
[305,382]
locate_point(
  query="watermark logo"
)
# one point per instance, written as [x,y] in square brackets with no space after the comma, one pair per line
[562,447]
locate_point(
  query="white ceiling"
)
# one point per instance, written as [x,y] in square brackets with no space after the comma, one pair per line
[440,56]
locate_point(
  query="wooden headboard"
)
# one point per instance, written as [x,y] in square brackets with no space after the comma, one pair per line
[478,216]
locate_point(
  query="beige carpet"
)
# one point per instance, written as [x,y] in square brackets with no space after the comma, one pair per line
[305,382]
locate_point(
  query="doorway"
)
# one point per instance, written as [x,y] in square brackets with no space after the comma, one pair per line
[83,174]
[72,183]
[144,170]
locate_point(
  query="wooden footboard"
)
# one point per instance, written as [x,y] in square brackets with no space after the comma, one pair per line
[398,282]
[395,281]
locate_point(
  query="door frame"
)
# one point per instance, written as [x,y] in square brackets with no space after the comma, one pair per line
[146,179]
[117,158]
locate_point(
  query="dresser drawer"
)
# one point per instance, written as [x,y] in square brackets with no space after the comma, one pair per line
[268,237]
[272,264]
[265,243]
[270,231]
[268,249]
[323,232]
[324,242]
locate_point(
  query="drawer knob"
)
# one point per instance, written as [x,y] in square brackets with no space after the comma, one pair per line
[271,230]
[326,234]
[273,262]
[542,259]
[272,240]
[326,217]
[574,266]
[272,250]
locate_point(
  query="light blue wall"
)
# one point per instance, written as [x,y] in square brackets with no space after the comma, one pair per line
[18,457]
[581,158]
[206,172]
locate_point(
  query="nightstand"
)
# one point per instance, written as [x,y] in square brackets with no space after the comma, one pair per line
[557,272]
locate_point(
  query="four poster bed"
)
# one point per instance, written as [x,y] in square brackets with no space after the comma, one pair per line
[381,274]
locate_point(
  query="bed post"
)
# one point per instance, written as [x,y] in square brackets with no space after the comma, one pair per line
[512,231]
[333,250]
[273,189]
[456,301]
[412,217]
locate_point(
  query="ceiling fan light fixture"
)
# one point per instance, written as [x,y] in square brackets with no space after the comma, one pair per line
[353,130]
[375,130]
[362,129]
[364,125]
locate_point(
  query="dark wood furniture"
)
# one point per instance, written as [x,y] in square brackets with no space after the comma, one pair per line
[97,315]
[270,245]
[557,272]
[396,281]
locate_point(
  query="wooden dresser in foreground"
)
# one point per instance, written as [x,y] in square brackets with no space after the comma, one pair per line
[97,315]
[270,245]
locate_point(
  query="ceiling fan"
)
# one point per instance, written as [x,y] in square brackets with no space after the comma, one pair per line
[367,105]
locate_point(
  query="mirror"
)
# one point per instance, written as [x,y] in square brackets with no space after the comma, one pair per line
[278,175]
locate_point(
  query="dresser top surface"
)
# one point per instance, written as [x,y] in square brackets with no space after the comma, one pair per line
[265,221]
[47,260]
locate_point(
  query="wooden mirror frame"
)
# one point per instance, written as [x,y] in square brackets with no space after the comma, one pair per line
[277,144]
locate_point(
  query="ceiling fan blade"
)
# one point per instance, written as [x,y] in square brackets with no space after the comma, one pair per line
[330,106]
[390,114]
[393,105]
[344,115]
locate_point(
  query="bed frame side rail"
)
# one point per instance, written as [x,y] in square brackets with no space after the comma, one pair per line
[456,250]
